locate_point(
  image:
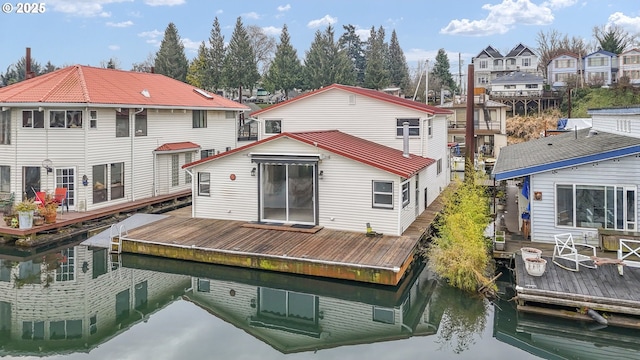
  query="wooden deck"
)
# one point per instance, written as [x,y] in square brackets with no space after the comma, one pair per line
[326,253]
[562,293]
[73,219]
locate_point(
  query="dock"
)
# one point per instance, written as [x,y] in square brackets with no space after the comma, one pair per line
[568,294]
[316,252]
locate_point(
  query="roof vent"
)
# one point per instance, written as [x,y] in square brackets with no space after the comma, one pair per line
[145,93]
[592,132]
[203,93]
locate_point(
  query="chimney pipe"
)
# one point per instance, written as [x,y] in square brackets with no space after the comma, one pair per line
[405,139]
[28,73]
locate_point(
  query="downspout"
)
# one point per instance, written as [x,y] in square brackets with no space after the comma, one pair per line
[132,126]
[193,191]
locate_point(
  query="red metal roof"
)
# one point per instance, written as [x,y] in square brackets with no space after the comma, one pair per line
[349,146]
[90,85]
[374,94]
[186,145]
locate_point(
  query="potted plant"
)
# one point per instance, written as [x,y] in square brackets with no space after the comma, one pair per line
[499,241]
[25,210]
[49,212]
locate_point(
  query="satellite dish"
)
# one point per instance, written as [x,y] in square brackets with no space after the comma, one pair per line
[46,163]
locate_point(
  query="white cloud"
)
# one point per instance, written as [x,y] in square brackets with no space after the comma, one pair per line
[630,24]
[505,16]
[363,34]
[164,2]
[152,37]
[558,4]
[220,11]
[190,44]
[325,21]
[114,47]
[283,8]
[272,30]
[122,24]
[82,8]
[251,15]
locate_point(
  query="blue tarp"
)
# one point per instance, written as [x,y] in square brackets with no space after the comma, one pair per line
[562,123]
[525,193]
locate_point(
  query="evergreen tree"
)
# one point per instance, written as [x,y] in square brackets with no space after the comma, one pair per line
[325,63]
[17,72]
[398,68]
[215,58]
[441,73]
[285,72]
[240,68]
[613,38]
[197,73]
[376,75]
[170,59]
[49,67]
[354,47]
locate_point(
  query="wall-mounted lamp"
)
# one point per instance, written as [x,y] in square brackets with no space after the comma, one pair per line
[321,315]
[253,303]
[85,180]
[321,174]
[253,172]
[85,267]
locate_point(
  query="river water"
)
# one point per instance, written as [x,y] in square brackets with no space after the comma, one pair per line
[80,303]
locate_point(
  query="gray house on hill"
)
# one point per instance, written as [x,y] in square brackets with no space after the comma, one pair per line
[579,181]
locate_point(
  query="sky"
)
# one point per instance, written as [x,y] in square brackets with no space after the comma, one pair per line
[68,32]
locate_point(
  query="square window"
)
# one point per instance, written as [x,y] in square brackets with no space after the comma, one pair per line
[272,126]
[382,194]
[414,127]
[204,184]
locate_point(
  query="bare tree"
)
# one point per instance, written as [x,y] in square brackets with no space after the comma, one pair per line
[264,47]
[552,43]
[144,66]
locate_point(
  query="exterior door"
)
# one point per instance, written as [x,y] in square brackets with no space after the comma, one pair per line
[66,178]
[30,181]
[288,193]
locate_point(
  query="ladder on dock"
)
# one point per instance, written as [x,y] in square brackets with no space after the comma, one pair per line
[115,238]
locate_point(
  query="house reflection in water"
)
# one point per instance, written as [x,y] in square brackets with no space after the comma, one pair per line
[71,300]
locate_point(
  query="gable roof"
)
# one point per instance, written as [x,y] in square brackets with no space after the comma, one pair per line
[561,151]
[563,53]
[373,94]
[519,50]
[83,85]
[490,52]
[352,147]
[603,52]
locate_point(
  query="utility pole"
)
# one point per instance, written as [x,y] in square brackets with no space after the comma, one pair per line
[469,141]
[426,84]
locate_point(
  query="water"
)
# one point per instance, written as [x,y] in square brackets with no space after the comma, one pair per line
[78,303]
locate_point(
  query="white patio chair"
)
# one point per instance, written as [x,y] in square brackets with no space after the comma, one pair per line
[628,253]
[570,252]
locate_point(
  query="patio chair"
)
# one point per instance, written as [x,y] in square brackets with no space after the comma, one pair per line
[40,198]
[60,197]
[570,252]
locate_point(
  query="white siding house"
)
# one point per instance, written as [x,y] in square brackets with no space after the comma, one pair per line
[108,136]
[600,68]
[319,178]
[629,65]
[580,181]
[562,68]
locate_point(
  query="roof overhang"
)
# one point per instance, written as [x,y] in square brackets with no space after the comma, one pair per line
[541,168]
[47,105]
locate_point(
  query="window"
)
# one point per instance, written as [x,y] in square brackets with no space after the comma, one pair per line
[65,119]
[122,123]
[33,330]
[406,197]
[563,63]
[439,166]
[383,194]
[99,183]
[297,309]
[509,87]
[631,59]
[5,127]
[204,285]
[117,181]
[483,80]
[632,74]
[65,329]
[594,206]
[188,158]
[93,119]
[199,119]
[175,170]
[531,86]
[206,153]
[483,64]
[383,315]
[272,126]
[414,127]
[5,178]
[598,61]
[204,184]
[67,268]
[141,123]
[430,127]
[33,119]
[526,62]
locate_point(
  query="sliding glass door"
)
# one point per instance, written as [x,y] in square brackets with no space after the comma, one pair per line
[288,193]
